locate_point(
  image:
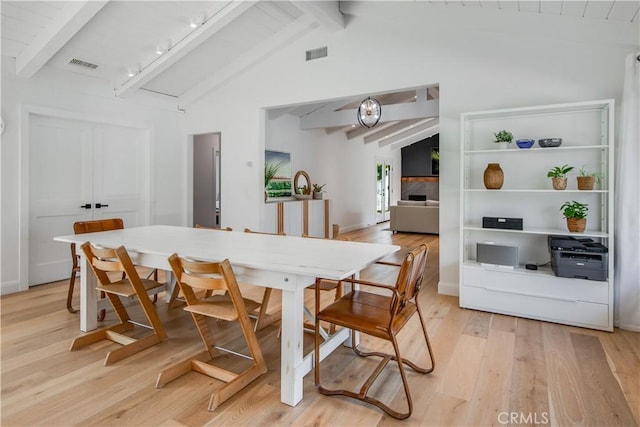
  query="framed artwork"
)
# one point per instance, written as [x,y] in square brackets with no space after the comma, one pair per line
[277,174]
[435,161]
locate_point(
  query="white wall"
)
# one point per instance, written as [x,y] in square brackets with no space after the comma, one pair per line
[81,97]
[481,60]
[350,185]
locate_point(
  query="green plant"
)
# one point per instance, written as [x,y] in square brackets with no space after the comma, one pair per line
[270,171]
[585,172]
[559,171]
[574,209]
[318,188]
[503,136]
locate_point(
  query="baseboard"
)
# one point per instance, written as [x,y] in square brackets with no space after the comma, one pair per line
[632,328]
[449,288]
[10,287]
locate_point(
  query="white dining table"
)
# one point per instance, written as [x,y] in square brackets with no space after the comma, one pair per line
[287,263]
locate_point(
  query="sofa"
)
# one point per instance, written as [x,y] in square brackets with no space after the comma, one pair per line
[416,216]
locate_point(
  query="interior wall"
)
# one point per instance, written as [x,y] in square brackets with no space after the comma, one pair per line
[480,59]
[313,150]
[88,99]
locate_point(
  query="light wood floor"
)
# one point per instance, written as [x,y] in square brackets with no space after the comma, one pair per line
[490,370]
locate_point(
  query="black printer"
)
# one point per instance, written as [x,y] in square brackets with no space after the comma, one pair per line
[578,258]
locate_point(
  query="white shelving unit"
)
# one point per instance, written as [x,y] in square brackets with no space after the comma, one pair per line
[586,129]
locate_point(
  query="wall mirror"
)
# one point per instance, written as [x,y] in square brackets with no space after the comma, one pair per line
[302,183]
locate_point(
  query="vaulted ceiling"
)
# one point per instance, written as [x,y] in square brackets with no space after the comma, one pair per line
[185,49]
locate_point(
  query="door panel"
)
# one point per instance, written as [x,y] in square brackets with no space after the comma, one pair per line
[59,183]
[71,164]
[119,174]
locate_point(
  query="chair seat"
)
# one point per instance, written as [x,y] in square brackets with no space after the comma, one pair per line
[123,287]
[366,312]
[221,307]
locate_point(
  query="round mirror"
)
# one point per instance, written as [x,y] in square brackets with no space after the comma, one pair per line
[302,187]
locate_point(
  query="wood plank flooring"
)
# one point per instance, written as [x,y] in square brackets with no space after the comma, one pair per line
[490,369]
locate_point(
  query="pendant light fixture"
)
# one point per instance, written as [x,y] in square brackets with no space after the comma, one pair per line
[369,112]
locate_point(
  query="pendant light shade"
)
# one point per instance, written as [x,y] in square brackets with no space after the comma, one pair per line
[369,112]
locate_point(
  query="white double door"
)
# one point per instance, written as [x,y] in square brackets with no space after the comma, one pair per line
[80,171]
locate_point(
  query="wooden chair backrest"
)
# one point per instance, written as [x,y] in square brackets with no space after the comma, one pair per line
[106,260]
[213,228]
[82,227]
[210,276]
[410,276]
[94,226]
[248,230]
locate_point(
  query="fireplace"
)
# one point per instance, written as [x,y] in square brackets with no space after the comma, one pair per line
[418,197]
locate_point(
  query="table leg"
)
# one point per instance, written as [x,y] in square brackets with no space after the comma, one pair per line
[292,369]
[88,297]
[170,284]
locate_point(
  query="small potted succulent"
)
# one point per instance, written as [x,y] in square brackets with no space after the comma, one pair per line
[558,176]
[587,179]
[576,215]
[317,191]
[503,138]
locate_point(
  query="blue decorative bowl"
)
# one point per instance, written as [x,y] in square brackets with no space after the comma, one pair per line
[525,143]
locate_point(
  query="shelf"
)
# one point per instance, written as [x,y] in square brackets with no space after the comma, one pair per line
[420,179]
[545,231]
[547,150]
[587,132]
[521,190]
[541,271]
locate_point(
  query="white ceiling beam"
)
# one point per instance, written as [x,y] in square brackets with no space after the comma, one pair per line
[395,112]
[326,13]
[390,130]
[414,134]
[358,130]
[262,50]
[55,35]
[221,19]
[426,133]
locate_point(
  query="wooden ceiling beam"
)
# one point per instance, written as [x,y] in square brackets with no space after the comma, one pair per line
[390,130]
[55,35]
[422,108]
[412,135]
[214,24]
[326,13]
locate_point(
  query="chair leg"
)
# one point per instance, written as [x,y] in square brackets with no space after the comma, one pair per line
[263,319]
[72,282]
[386,358]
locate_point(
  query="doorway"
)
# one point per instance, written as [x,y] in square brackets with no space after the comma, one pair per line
[206,180]
[79,171]
[383,189]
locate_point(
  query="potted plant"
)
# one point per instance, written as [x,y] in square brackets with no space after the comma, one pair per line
[270,171]
[558,176]
[576,215]
[317,191]
[587,179]
[503,138]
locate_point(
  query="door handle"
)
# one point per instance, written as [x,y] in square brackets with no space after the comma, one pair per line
[86,206]
[100,205]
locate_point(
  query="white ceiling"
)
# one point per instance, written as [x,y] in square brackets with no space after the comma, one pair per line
[230,36]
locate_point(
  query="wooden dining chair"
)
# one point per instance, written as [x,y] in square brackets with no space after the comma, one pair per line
[381,316]
[105,261]
[176,300]
[82,227]
[194,276]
